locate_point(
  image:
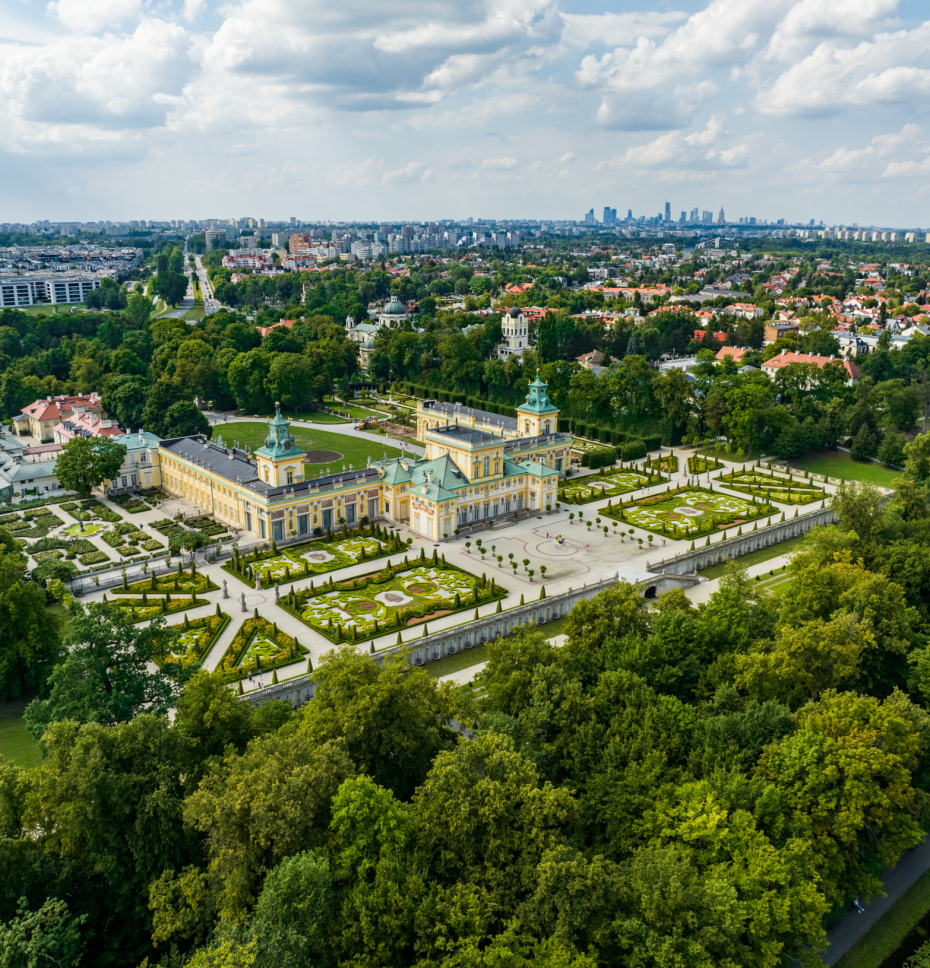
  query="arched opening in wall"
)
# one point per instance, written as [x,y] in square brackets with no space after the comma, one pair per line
[651,591]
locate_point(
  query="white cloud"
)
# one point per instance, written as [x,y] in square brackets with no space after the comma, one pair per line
[413,171]
[892,68]
[567,157]
[616,29]
[900,153]
[89,16]
[492,164]
[675,150]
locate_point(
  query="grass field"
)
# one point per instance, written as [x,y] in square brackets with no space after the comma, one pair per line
[351,450]
[757,557]
[837,463]
[891,930]
[16,742]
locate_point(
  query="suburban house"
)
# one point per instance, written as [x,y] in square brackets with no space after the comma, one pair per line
[776,363]
[780,327]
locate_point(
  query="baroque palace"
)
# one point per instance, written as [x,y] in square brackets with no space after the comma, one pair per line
[478,466]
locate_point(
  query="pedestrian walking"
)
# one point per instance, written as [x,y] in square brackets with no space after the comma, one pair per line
[858,906]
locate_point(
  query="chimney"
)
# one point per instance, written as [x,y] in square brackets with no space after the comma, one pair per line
[783,352]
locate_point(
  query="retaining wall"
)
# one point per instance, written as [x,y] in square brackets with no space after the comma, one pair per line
[714,554]
[430,648]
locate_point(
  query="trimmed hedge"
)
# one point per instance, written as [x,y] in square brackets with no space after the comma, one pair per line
[652,441]
[633,450]
[603,457]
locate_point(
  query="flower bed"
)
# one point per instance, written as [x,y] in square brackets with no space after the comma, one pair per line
[312,558]
[259,644]
[688,512]
[698,464]
[771,487]
[193,639]
[128,551]
[113,538]
[394,598]
[101,511]
[140,609]
[130,503]
[93,558]
[8,519]
[152,545]
[41,556]
[168,527]
[191,582]
[206,526]
[76,546]
[598,486]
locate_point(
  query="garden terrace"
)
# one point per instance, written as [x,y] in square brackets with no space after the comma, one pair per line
[699,464]
[771,487]
[191,582]
[259,644]
[312,558]
[598,486]
[141,609]
[193,639]
[394,598]
[688,512]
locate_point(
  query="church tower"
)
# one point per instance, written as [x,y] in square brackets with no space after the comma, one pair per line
[279,460]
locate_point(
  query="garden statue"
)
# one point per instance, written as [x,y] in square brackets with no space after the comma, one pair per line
[244,609]
[225,591]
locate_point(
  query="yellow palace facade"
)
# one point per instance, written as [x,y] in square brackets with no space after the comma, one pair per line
[478,466]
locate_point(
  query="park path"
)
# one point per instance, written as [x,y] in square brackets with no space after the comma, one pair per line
[852,927]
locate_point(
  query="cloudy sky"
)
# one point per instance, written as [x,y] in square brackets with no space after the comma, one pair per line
[429,109]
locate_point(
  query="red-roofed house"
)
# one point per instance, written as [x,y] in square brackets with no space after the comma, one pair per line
[733,352]
[721,337]
[85,425]
[776,363]
[39,418]
[263,331]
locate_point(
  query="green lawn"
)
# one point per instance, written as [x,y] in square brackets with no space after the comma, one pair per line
[16,742]
[350,449]
[47,309]
[471,657]
[837,463]
[894,926]
[757,557]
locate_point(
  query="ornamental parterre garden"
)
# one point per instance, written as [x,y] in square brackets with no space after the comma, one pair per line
[259,644]
[699,464]
[142,608]
[394,598]
[313,557]
[189,582]
[688,512]
[785,490]
[193,639]
[598,486]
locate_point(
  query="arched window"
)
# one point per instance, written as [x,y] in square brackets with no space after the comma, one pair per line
[487,466]
[266,475]
[474,469]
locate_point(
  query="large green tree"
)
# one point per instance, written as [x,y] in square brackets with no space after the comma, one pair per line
[86,462]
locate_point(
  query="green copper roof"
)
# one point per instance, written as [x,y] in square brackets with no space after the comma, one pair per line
[279,444]
[537,400]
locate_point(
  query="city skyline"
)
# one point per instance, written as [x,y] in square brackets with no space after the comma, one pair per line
[449,110]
